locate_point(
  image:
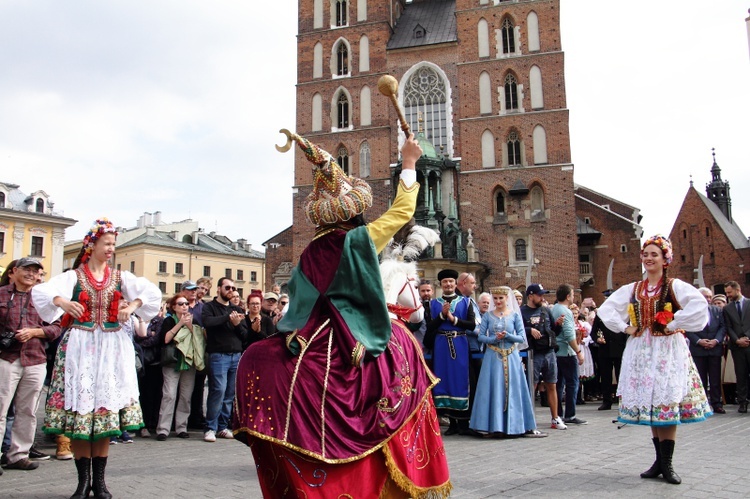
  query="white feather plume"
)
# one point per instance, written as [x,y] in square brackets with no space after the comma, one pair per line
[418,240]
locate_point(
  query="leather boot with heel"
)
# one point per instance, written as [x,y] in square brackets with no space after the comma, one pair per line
[667,449]
[83,465]
[655,470]
[99,464]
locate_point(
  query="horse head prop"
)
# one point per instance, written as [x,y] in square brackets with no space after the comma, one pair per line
[400,279]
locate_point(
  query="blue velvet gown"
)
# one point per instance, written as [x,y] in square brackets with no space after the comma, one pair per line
[502,403]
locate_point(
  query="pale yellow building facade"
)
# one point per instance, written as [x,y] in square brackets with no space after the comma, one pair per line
[169,254]
[30,227]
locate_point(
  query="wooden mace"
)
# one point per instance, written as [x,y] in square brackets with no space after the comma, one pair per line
[388,86]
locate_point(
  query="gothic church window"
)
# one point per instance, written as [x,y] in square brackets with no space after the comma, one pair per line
[514,149]
[342,111]
[425,97]
[508,37]
[342,158]
[342,59]
[340,12]
[500,203]
[511,93]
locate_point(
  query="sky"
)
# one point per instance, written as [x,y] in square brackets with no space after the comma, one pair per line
[123,107]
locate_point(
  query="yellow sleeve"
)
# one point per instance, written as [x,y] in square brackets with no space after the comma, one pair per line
[383,229]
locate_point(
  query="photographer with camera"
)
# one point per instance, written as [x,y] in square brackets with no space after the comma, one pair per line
[23,360]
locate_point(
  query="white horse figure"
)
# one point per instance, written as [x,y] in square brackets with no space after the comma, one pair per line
[400,280]
[401,286]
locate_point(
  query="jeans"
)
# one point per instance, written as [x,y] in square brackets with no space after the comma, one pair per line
[9,418]
[567,377]
[222,370]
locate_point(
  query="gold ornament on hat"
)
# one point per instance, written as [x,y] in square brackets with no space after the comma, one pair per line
[336,196]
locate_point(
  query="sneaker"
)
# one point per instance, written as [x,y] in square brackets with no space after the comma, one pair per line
[23,464]
[534,434]
[575,420]
[63,448]
[36,455]
[557,424]
[144,433]
[209,436]
[126,438]
[113,441]
[225,433]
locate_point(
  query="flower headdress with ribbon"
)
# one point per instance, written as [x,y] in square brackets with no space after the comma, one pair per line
[98,228]
[336,196]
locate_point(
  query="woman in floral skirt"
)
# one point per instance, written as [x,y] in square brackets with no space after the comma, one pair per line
[94,388]
[659,385]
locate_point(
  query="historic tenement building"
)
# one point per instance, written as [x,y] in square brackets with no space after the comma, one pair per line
[482,81]
[30,226]
[709,247]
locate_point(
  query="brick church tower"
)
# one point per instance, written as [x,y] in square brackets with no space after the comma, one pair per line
[483,83]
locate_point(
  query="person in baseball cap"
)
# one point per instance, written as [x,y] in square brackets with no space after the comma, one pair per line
[189,286]
[29,262]
[536,289]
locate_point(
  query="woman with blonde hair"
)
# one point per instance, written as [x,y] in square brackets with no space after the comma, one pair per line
[502,404]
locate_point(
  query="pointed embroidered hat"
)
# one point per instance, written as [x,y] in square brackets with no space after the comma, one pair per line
[336,196]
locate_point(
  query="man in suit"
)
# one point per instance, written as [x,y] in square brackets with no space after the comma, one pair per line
[707,347]
[737,319]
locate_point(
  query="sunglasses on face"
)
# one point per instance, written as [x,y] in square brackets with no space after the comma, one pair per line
[227,288]
[182,304]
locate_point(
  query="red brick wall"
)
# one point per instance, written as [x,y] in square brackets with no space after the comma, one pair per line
[721,261]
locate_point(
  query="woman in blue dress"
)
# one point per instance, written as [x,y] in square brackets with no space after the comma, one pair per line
[502,404]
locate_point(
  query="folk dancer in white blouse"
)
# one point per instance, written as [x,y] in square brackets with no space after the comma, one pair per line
[94,387]
[659,385]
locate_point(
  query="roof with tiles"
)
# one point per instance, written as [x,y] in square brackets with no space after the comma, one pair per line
[426,22]
[206,243]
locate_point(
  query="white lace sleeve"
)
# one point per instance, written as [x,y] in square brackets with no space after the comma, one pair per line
[614,310]
[43,295]
[693,316]
[139,287]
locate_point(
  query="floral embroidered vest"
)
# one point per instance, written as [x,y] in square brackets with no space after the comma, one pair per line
[100,300]
[643,314]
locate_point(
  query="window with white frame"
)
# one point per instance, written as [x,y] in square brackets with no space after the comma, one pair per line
[340,12]
[37,246]
[520,250]
[342,59]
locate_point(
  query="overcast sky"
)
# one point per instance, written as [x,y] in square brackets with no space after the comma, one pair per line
[120,107]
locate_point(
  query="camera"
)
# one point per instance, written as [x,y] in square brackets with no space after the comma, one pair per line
[7,337]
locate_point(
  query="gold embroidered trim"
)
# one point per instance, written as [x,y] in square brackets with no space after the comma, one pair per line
[357,354]
[323,398]
[294,377]
[406,485]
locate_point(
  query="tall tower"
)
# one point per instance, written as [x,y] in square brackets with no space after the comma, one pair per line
[484,80]
[718,190]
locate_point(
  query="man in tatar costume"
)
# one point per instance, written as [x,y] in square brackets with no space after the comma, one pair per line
[338,404]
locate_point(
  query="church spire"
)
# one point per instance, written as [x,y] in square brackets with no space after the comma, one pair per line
[718,190]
